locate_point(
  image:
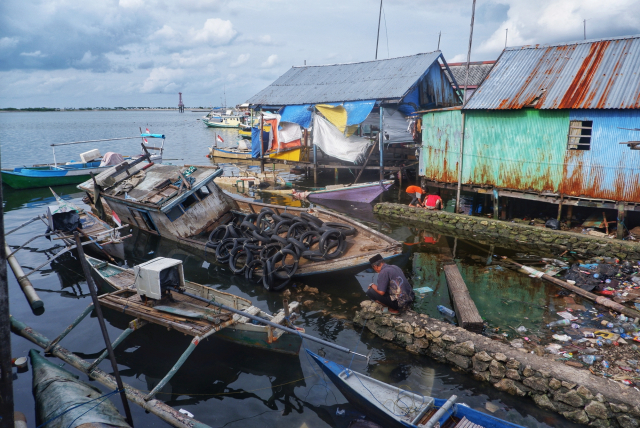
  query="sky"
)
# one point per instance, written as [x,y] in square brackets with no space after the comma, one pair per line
[122,53]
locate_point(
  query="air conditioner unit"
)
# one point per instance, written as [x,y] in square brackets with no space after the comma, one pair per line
[153,277]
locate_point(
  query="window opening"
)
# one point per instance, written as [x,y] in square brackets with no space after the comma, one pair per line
[189,201]
[580,135]
[175,213]
[202,192]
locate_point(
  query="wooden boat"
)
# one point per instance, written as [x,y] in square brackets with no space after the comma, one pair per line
[57,174]
[243,331]
[222,121]
[106,238]
[245,133]
[393,407]
[189,214]
[229,153]
[58,391]
[364,192]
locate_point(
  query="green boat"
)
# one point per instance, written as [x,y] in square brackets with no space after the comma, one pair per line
[63,401]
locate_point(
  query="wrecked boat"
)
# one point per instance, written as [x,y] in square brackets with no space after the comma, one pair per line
[185,205]
[184,313]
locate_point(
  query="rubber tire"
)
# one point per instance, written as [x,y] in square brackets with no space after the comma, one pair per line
[312,219]
[234,259]
[345,229]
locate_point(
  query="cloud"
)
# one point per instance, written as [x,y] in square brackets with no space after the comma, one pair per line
[270,62]
[242,58]
[146,65]
[162,80]
[131,4]
[8,42]
[194,59]
[36,54]
[199,5]
[215,32]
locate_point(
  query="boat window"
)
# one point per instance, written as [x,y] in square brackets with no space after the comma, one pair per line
[189,201]
[203,192]
[580,135]
[148,221]
[175,213]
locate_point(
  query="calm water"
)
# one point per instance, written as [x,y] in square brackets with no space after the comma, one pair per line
[223,384]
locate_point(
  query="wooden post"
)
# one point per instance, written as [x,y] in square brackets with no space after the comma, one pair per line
[620,224]
[466,312]
[503,210]
[496,206]
[336,176]
[381,144]
[315,165]
[261,143]
[6,370]
[569,214]
[560,207]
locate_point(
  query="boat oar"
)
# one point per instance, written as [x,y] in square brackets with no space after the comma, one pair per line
[272,324]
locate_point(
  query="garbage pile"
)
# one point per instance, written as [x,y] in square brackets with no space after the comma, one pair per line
[267,247]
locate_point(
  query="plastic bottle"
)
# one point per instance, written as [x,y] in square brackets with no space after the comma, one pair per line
[589,359]
[446,311]
[558,323]
[605,364]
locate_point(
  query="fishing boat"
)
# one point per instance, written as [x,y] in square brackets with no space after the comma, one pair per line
[106,239]
[394,407]
[245,133]
[223,119]
[186,314]
[57,174]
[364,192]
[229,153]
[64,401]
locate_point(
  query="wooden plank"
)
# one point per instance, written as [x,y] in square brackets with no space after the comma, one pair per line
[466,423]
[466,311]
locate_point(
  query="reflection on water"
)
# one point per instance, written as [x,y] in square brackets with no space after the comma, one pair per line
[224,384]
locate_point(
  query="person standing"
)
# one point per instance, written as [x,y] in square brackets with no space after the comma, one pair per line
[393,290]
[417,193]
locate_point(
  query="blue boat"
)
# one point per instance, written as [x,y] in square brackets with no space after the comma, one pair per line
[393,407]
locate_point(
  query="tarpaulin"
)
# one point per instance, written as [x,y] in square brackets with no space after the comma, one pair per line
[332,142]
[357,111]
[334,114]
[111,158]
[255,142]
[396,127]
[411,103]
[289,136]
[300,114]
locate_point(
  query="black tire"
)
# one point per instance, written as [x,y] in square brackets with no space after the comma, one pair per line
[261,221]
[312,219]
[223,251]
[309,239]
[288,216]
[297,229]
[313,255]
[251,218]
[345,229]
[279,239]
[236,257]
[232,231]
[252,269]
[277,229]
[269,250]
[332,239]
[277,218]
[250,226]
[218,234]
[262,238]
[297,244]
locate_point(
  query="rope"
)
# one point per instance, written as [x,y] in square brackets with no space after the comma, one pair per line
[105,396]
[361,333]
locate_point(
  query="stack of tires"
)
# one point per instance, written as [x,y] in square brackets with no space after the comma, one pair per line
[267,247]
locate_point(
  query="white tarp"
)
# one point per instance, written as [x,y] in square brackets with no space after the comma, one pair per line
[332,142]
[289,132]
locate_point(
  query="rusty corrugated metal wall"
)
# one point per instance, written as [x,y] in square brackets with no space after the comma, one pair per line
[527,150]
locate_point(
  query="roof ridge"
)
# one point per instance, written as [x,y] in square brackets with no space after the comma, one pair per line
[363,62]
[576,42]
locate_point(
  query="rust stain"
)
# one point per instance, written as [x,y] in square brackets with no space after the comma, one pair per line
[516,103]
[581,84]
[614,74]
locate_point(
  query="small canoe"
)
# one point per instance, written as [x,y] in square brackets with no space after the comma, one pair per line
[50,175]
[364,192]
[244,331]
[58,391]
[229,153]
[393,407]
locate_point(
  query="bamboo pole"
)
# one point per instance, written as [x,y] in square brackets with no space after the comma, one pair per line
[579,291]
[6,370]
[71,326]
[158,408]
[27,288]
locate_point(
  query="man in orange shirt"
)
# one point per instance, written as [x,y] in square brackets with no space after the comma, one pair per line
[433,202]
[416,192]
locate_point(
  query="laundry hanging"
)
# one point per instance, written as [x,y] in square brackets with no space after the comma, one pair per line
[331,141]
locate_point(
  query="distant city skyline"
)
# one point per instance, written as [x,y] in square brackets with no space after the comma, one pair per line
[143,52]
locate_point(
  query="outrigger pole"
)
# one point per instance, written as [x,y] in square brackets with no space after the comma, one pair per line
[271,324]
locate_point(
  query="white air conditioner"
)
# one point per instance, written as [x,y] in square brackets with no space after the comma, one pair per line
[154,276]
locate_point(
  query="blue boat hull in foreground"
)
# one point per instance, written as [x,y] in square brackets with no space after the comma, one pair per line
[394,407]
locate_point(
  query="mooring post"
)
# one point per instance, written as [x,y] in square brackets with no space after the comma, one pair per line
[560,207]
[6,370]
[103,327]
[496,205]
[620,224]
[569,215]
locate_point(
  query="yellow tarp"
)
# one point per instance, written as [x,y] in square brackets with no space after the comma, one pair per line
[337,115]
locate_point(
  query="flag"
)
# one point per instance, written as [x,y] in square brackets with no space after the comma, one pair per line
[148,132]
[220,140]
[116,219]
[145,140]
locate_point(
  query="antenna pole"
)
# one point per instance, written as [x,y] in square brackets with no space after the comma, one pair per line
[584,22]
[439,35]
[378,38]
[506,35]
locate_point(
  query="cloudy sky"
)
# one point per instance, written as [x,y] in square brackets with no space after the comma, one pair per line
[70,53]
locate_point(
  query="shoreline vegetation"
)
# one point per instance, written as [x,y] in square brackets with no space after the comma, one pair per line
[41,109]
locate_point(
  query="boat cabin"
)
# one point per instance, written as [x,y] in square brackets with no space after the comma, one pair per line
[155,276]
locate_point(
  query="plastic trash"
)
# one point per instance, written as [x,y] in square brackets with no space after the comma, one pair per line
[605,364]
[562,337]
[340,412]
[186,412]
[423,290]
[559,323]
[446,311]
[521,329]
[589,359]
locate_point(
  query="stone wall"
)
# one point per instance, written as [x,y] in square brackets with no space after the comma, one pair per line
[575,393]
[498,230]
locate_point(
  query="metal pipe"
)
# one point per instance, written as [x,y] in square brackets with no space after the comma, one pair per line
[269,323]
[103,327]
[93,141]
[115,343]
[385,20]
[27,288]
[71,326]
[22,225]
[158,408]
[381,143]
[184,356]
[442,410]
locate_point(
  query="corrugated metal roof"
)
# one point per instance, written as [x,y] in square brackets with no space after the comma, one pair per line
[478,71]
[589,74]
[371,80]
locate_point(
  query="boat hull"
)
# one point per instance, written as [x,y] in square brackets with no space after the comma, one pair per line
[220,124]
[286,344]
[23,181]
[228,154]
[366,194]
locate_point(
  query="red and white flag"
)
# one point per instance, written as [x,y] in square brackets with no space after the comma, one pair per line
[148,132]
[145,140]
[219,138]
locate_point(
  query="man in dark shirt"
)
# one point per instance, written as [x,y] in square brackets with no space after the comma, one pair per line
[393,290]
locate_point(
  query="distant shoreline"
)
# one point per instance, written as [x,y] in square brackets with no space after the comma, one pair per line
[103,110]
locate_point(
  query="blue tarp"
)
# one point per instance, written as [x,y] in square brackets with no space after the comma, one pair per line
[152,135]
[300,114]
[411,103]
[255,142]
[357,111]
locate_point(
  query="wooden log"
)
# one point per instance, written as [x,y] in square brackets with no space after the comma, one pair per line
[468,316]
[29,292]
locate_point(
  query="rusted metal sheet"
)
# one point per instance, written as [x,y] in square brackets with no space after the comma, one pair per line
[371,80]
[589,74]
[440,145]
[609,170]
